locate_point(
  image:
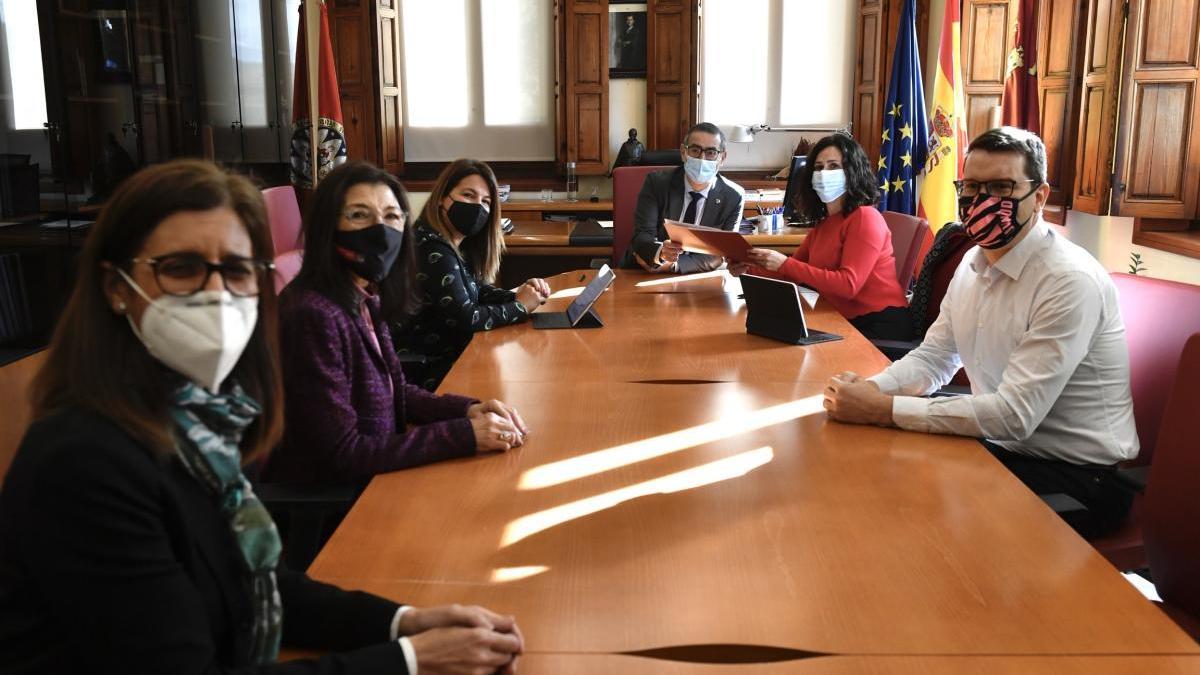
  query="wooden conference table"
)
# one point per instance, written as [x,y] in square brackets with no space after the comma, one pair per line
[682,487]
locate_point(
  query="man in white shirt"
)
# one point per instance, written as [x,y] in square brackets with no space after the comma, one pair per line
[694,193]
[1035,321]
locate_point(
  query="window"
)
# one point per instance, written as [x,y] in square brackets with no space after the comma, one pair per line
[24,45]
[776,62]
[478,79]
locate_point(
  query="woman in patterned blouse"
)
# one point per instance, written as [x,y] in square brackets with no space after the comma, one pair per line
[459,244]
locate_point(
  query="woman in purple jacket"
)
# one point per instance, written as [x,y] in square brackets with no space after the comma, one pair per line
[347,405]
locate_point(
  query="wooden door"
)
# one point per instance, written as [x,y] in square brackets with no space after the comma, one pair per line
[390,105]
[585,72]
[1160,120]
[870,76]
[1101,72]
[350,32]
[670,72]
[987,29]
[1061,24]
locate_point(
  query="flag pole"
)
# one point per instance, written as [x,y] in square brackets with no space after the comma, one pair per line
[312,47]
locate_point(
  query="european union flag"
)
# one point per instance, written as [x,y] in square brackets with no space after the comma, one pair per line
[905,128]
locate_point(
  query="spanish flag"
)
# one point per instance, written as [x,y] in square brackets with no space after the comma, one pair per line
[947,119]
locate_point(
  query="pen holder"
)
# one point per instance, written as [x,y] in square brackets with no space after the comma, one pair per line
[768,223]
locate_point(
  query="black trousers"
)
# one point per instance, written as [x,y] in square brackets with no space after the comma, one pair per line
[1098,487]
[889,323]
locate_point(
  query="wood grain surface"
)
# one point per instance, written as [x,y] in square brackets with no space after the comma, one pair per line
[681,485]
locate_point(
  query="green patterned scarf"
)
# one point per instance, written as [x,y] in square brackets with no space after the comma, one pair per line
[210,428]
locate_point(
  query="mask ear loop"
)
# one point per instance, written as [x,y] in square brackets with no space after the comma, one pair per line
[137,289]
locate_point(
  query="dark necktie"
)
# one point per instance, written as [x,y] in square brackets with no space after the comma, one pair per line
[689,214]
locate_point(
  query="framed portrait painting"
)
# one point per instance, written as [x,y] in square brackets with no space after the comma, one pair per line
[627,39]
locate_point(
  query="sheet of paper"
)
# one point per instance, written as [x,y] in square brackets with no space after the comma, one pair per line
[606,224]
[810,297]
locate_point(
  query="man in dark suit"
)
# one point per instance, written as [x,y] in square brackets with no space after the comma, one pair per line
[693,193]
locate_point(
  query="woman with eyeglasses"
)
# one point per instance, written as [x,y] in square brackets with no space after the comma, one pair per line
[130,539]
[847,257]
[458,248]
[349,405]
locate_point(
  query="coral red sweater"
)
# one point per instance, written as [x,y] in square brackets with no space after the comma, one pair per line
[848,260]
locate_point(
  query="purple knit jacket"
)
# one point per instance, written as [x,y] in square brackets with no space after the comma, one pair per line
[343,421]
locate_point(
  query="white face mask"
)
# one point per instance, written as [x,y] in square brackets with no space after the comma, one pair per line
[201,336]
[829,184]
[700,170]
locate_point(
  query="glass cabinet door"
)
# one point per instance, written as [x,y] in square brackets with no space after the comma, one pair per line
[286,15]
[217,63]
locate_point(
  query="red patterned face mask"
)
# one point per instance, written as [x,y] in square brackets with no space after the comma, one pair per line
[991,221]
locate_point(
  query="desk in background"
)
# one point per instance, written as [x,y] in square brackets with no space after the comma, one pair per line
[538,247]
[682,486]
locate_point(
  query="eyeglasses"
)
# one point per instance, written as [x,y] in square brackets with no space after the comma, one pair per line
[991,188]
[698,151]
[188,273]
[360,217]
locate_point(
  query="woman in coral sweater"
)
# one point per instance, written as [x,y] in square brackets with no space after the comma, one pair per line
[848,256]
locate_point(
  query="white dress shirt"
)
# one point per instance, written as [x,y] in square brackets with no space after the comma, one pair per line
[1040,335]
[410,654]
[687,199]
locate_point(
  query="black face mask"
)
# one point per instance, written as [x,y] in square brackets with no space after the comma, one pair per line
[468,218]
[370,252]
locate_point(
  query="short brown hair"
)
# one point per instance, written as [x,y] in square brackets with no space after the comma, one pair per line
[96,362]
[1015,141]
[482,252]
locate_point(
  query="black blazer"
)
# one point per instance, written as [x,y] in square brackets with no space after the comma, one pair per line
[113,560]
[662,197]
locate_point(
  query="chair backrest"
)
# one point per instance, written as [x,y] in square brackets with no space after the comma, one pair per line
[950,244]
[283,213]
[1171,511]
[287,266]
[1159,317]
[15,380]
[627,183]
[908,235]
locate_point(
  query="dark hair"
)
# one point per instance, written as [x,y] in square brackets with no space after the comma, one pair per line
[705,128]
[484,250]
[95,360]
[323,270]
[861,188]
[1018,142]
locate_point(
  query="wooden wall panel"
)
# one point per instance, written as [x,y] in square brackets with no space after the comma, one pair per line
[1100,81]
[585,93]
[1159,168]
[1058,93]
[390,135]
[670,72]
[986,36]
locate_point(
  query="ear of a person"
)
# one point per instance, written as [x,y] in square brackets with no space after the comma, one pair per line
[115,289]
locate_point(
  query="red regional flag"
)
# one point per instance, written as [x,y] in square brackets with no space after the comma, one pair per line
[1020,106]
[331,137]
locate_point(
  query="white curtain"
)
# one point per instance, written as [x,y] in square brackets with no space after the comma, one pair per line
[478,79]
